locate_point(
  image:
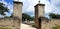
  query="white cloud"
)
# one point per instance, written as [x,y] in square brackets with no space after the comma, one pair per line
[28,6]
[3,2]
[10,7]
[15,0]
[53,6]
[7,5]
[1,16]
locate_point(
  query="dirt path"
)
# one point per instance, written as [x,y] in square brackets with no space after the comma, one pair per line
[24,26]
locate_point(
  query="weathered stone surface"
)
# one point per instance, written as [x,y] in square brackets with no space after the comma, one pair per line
[39,12]
[17,13]
[41,22]
[15,21]
[51,23]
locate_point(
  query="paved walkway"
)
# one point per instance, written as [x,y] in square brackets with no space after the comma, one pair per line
[24,26]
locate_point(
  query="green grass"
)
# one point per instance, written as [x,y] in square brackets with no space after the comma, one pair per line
[33,25]
[57,27]
[5,28]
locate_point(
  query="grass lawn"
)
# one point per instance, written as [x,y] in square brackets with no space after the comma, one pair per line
[5,28]
[57,27]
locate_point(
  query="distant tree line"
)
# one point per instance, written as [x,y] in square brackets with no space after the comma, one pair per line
[53,15]
[26,16]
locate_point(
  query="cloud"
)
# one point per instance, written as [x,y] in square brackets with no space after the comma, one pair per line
[28,6]
[1,16]
[10,7]
[55,6]
[51,6]
[3,1]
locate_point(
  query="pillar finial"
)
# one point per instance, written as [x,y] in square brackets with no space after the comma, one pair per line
[18,0]
[39,2]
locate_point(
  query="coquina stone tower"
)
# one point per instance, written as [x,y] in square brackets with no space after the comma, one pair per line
[39,12]
[17,13]
[17,9]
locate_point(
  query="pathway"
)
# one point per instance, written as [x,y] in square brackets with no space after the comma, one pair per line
[24,26]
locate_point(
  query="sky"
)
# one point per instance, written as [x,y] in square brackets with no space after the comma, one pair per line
[9,4]
[51,6]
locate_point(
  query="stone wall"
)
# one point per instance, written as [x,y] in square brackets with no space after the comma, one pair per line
[51,23]
[10,22]
[16,20]
[6,22]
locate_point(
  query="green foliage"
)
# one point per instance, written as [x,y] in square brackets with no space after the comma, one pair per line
[53,15]
[57,27]
[32,19]
[5,28]
[3,9]
[26,16]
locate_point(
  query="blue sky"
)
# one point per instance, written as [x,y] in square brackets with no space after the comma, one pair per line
[9,1]
[9,4]
[51,6]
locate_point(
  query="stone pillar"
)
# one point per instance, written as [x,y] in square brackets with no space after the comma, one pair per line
[39,12]
[17,11]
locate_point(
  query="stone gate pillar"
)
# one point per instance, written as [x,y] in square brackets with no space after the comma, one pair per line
[17,9]
[17,12]
[39,12]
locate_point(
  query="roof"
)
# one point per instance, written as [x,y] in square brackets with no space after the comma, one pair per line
[18,2]
[39,4]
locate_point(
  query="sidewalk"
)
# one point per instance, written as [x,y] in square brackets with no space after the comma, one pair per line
[25,26]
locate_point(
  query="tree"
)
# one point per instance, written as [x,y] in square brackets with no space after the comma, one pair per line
[53,15]
[3,9]
[25,16]
[32,18]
